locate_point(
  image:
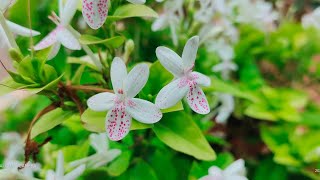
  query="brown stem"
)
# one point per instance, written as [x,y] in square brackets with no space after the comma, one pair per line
[32,148]
[41,113]
[89,88]
[73,96]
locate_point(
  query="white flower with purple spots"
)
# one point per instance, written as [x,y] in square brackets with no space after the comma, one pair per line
[95,12]
[61,34]
[122,105]
[235,171]
[186,82]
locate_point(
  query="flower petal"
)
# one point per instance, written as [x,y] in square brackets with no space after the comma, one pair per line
[137,1]
[236,168]
[160,23]
[197,99]
[76,173]
[172,93]
[67,39]
[136,80]
[69,10]
[99,142]
[118,74]
[235,177]
[49,40]
[118,122]
[20,30]
[50,175]
[143,111]
[54,51]
[190,52]
[201,79]
[170,60]
[60,165]
[95,12]
[5,4]
[102,101]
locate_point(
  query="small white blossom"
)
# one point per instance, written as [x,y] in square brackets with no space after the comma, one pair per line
[61,34]
[14,157]
[95,12]
[59,173]
[311,19]
[170,18]
[122,105]
[264,16]
[186,82]
[103,154]
[226,108]
[235,171]
[13,98]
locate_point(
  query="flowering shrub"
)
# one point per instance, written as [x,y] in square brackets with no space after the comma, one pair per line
[165,89]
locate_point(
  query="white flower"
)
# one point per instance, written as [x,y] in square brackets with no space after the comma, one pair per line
[186,82]
[103,154]
[6,174]
[170,17]
[14,156]
[14,28]
[209,9]
[95,12]
[61,34]
[312,19]
[263,17]
[226,108]
[235,171]
[122,105]
[59,173]
[223,49]
[13,98]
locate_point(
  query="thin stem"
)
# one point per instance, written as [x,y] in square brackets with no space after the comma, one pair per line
[49,108]
[88,88]
[30,27]
[86,48]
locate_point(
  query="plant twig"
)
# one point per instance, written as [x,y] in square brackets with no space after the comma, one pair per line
[32,148]
[89,88]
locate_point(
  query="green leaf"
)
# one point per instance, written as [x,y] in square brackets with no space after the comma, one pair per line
[225,87]
[266,166]
[31,68]
[77,76]
[259,111]
[133,10]
[144,171]
[120,165]
[95,122]
[157,74]
[86,60]
[178,131]
[113,42]
[43,55]
[49,121]
[177,107]
[136,125]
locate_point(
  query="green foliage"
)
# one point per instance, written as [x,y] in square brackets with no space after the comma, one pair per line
[179,132]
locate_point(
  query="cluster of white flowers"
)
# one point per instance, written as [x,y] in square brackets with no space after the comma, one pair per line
[123,106]
[219,34]
[311,19]
[235,171]
[14,158]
